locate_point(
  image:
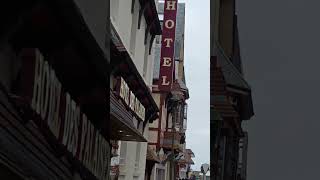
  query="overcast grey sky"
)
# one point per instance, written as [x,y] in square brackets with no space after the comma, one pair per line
[197,61]
[280,51]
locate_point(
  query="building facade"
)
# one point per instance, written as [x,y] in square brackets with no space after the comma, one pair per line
[231,101]
[167,133]
[54,61]
[134,26]
[242,164]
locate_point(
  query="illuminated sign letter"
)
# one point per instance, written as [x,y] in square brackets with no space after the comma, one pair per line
[166,74]
[164,81]
[171,5]
[166,61]
[169,24]
[168,41]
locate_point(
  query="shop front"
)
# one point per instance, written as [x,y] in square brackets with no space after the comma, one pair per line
[53,99]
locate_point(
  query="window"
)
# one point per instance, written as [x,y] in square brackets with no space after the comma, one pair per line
[160,174]
[178,115]
[115,8]
[176,68]
[158,39]
[185,124]
[161,24]
[146,55]
[123,152]
[161,17]
[137,155]
[185,110]
[134,27]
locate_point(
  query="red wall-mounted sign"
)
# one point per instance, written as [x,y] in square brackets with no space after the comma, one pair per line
[167,45]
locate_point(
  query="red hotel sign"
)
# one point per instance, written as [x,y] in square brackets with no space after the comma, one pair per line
[167,45]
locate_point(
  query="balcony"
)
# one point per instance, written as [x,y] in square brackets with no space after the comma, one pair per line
[171,140]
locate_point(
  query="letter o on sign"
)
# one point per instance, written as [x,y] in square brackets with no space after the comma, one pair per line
[169,24]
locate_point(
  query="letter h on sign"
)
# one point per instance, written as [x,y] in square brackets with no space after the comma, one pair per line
[167,45]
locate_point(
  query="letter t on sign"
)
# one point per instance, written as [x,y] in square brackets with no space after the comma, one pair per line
[168,41]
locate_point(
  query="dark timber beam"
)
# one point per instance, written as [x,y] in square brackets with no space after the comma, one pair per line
[151,42]
[132,6]
[141,11]
[148,30]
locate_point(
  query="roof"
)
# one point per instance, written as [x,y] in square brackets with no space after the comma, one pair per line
[188,155]
[233,81]
[183,87]
[219,99]
[189,151]
[231,74]
[127,67]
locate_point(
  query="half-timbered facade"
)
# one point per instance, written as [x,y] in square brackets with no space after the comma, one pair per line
[231,101]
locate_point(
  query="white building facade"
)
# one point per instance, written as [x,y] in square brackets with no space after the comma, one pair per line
[131,21]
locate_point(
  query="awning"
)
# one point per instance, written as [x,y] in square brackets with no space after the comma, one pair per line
[231,74]
[227,78]
[121,123]
[122,65]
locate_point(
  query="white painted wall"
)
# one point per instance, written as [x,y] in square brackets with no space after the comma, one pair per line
[128,169]
[126,25]
[153,136]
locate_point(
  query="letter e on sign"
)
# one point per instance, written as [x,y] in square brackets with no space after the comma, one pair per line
[166,61]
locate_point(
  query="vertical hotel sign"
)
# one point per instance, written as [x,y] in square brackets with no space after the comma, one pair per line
[167,45]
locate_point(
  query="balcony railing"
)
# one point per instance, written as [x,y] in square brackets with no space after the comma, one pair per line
[171,140]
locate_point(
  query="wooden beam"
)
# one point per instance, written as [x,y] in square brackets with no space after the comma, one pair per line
[147,31]
[141,11]
[151,42]
[132,6]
